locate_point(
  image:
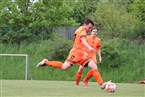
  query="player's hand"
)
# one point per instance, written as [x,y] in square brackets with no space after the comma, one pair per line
[91,49]
[100,60]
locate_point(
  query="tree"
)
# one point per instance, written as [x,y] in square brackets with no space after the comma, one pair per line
[27,21]
[83,9]
[115,21]
[137,8]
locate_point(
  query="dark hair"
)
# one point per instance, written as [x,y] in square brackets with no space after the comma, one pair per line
[87,21]
[94,28]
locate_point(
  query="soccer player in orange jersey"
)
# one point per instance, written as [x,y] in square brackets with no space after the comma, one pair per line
[76,54]
[95,43]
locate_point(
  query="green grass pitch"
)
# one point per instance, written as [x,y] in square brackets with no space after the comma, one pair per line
[37,88]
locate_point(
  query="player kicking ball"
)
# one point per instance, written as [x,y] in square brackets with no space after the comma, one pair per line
[76,54]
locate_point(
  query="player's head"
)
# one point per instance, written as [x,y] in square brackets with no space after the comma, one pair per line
[94,31]
[88,24]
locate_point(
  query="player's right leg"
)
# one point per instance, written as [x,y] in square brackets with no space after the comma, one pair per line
[104,84]
[54,64]
[41,63]
[96,74]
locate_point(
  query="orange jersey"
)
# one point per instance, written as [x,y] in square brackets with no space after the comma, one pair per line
[95,43]
[76,54]
[78,46]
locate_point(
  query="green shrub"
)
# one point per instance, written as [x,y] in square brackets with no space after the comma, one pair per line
[59,47]
[122,60]
[111,53]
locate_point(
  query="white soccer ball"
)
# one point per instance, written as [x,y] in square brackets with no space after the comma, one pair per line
[110,87]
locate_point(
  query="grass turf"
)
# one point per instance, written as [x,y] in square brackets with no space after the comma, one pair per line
[37,88]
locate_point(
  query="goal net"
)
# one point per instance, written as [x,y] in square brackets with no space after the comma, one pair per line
[14,66]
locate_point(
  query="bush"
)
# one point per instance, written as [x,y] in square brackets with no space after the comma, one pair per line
[59,47]
[122,60]
[111,53]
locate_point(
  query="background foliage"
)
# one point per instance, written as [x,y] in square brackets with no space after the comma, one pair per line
[26,27]
[26,21]
[123,61]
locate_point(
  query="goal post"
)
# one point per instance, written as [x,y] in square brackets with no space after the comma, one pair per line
[26,64]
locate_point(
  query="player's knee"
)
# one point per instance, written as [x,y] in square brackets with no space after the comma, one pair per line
[80,69]
[92,65]
[66,66]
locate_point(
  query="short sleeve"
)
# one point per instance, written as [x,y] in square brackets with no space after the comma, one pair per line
[83,34]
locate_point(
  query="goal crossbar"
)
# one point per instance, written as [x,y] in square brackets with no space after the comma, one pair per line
[26,66]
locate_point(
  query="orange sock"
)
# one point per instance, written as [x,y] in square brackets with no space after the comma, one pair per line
[97,76]
[55,64]
[89,75]
[78,77]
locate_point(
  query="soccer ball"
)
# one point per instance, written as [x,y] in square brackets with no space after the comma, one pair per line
[110,87]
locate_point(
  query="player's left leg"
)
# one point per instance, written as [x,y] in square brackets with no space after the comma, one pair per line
[79,75]
[88,76]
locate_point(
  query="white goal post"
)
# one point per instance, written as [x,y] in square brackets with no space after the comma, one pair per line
[21,55]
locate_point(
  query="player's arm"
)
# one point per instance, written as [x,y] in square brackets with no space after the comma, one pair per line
[99,55]
[83,39]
